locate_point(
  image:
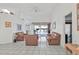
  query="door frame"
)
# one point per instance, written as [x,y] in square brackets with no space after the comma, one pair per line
[68,22]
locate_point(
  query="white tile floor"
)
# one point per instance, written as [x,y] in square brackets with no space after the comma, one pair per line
[19,48]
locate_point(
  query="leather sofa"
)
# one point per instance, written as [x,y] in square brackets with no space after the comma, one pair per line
[31,40]
[54,38]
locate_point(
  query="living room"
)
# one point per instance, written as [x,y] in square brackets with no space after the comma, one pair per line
[20,19]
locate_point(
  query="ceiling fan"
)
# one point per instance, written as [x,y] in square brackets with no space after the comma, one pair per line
[6,11]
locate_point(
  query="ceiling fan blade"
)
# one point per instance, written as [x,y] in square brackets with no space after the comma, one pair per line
[1,12]
[11,13]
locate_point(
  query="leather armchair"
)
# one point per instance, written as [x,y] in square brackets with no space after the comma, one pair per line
[31,40]
[54,38]
[19,36]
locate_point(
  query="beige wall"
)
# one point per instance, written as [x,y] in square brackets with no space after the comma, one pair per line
[5,33]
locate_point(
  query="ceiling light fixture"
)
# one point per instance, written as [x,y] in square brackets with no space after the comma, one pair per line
[36,9]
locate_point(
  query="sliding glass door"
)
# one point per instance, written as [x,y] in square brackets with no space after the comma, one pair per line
[41,31]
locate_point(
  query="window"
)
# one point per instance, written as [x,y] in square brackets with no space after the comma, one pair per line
[19,27]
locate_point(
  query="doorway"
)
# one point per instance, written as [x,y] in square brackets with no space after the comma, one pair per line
[68,28]
[42,29]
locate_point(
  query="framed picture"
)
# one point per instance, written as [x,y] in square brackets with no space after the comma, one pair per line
[8,24]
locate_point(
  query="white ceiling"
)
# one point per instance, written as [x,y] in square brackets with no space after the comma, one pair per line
[27,10]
